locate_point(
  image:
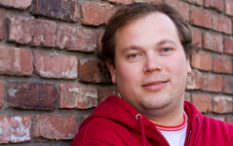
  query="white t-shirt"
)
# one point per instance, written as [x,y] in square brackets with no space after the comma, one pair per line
[175,135]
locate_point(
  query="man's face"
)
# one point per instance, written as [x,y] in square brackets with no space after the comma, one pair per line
[150,64]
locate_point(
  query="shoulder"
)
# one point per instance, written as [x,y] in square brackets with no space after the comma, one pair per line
[220,131]
[98,130]
[217,124]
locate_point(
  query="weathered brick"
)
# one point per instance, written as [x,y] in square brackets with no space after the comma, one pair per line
[213,41]
[96,13]
[229,7]
[15,129]
[77,96]
[19,4]
[228,84]
[215,4]
[2,28]
[207,82]
[15,61]
[36,32]
[222,24]
[121,1]
[222,64]
[202,60]
[53,65]
[32,95]
[192,80]
[202,101]
[222,104]
[205,15]
[229,119]
[76,38]
[212,83]
[58,127]
[104,92]
[60,9]
[228,46]
[92,70]
[197,37]
[199,2]
[183,8]
[2,93]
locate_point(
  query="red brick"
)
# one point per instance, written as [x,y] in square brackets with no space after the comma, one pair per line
[213,41]
[15,129]
[15,61]
[199,2]
[222,64]
[77,96]
[104,92]
[32,95]
[214,83]
[228,46]
[183,8]
[58,127]
[229,7]
[36,32]
[53,65]
[222,104]
[76,38]
[19,4]
[202,102]
[222,24]
[92,70]
[201,60]
[208,82]
[2,93]
[60,9]
[121,1]
[96,13]
[228,84]
[201,17]
[215,4]
[197,37]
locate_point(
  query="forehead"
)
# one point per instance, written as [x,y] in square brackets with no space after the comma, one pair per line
[154,26]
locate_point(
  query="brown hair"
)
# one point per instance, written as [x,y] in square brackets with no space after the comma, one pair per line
[131,12]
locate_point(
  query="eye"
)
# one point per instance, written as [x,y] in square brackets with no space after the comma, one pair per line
[166,50]
[134,57]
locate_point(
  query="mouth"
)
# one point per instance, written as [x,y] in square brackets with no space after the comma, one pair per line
[155,85]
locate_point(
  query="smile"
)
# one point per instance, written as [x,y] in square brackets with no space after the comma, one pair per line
[155,86]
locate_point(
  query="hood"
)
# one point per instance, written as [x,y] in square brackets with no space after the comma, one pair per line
[118,110]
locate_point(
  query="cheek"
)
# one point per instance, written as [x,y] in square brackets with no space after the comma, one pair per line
[179,67]
[127,73]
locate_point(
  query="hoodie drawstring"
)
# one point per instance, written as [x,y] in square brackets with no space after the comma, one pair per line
[143,136]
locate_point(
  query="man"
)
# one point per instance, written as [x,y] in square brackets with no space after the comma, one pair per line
[146,48]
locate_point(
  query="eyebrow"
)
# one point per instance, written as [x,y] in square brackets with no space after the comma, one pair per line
[134,47]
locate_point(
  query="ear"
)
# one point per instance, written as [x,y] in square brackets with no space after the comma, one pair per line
[112,71]
[189,69]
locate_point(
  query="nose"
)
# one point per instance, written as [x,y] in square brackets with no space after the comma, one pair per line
[152,63]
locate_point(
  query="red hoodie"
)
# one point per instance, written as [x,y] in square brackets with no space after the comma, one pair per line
[116,123]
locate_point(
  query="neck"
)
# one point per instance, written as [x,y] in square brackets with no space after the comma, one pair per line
[171,117]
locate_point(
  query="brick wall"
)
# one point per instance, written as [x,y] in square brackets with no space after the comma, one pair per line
[50,79]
